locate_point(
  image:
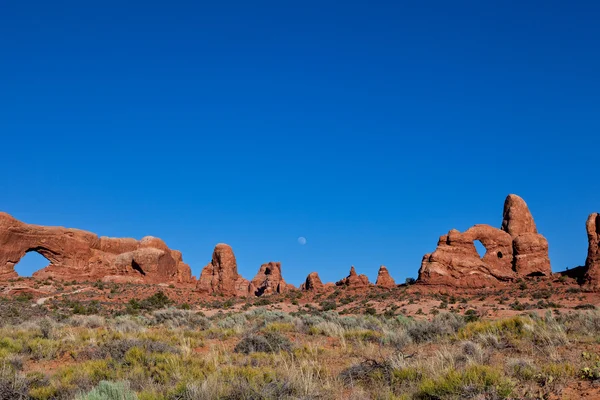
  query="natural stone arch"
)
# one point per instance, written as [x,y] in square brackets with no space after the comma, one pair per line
[516,250]
[498,245]
[77,255]
[25,266]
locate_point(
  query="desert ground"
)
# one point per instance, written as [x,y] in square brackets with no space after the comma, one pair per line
[534,339]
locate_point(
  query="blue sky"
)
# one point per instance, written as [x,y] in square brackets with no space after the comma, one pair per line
[370,128]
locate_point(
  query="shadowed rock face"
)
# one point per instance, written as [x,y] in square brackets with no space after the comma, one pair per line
[515,250]
[353,280]
[221,275]
[592,263]
[384,279]
[80,255]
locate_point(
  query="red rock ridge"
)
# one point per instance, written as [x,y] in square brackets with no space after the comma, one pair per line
[80,255]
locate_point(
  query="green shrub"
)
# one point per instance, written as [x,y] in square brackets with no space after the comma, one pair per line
[110,391]
[474,381]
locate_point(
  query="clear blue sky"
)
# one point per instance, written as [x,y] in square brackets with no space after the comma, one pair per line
[370,128]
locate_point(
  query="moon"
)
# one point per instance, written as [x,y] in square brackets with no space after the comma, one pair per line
[302,240]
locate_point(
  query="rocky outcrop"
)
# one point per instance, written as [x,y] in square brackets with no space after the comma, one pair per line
[531,255]
[221,274]
[74,254]
[592,262]
[517,218]
[354,281]
[312,283]
[516,250]
[384,279]
[530,248]
[269,280]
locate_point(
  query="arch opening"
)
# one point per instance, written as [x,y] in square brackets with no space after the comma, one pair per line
[481,250]
[30,263]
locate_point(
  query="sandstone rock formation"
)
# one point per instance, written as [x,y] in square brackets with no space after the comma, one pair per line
[312,283]
[353,280]
[80,255]
[517,218]
[592,263]
[516,250]
[221,275]
[269,280]
[384,279]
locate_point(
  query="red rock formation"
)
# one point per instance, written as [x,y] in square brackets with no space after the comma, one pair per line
[312,283]
[456,262]
[79,255]
[269,280]
[513,251]
[530,248]
[517,218]
[221,275]
[384,279]
[353,280]
[592,263]
[531,255]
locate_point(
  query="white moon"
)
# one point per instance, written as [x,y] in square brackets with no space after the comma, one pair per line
[302,240]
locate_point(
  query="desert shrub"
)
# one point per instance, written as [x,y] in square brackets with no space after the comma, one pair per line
[232,321]
[179,318]
[521,369]
[440,325]
[473,382]
[12,385]
[242,387]
[515,326]
[398,339]
[373,373]
[117,349]
[265,316]
[40,348]
[306,321]
[110,391]
[87,321]
[410,281]
[582,323]
[328,305]
[591,371]
[46,327]
[363,335]
[269,342]
[553,373]
[127,324]
[252,344]
[153,302]
[584,307]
